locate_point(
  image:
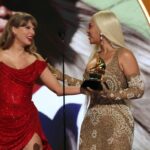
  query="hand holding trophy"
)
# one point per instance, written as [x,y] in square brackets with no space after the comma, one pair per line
[95,73]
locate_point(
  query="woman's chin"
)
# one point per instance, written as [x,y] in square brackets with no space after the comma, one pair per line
[26,44]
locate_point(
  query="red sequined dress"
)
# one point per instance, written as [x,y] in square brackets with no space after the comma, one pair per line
[19,118]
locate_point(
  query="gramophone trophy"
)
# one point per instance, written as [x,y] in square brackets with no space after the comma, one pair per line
[93,79]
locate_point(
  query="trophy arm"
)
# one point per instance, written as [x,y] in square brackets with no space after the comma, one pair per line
[71,81]
[135,90]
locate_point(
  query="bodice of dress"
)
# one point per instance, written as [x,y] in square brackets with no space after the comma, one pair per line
[16,87]
[114,77]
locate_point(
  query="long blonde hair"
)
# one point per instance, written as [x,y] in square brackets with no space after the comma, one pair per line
[17,20]
[110,27]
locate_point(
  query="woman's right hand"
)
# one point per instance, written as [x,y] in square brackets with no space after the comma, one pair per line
[86,91]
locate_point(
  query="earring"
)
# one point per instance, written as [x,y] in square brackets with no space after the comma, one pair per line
[101,36]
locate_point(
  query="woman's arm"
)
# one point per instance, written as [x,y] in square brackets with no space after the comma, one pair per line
[51,82]
[48,76]
[135,89]
[68,80]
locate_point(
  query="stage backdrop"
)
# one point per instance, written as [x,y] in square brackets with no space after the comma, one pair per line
[62,32]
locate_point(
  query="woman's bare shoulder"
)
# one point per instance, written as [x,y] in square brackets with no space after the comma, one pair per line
[125,53]
[38,56]
[127,61]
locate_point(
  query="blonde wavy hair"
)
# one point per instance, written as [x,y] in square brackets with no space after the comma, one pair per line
[110,27]
[17,20]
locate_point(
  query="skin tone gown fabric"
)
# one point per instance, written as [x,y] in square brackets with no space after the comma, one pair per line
[19,118]
[109,124]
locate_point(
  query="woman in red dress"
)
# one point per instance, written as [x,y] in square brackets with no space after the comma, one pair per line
[20,67]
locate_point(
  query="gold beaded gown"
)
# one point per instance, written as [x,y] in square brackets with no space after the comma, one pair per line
[108,123]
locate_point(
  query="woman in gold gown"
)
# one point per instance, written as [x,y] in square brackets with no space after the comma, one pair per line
[108,123]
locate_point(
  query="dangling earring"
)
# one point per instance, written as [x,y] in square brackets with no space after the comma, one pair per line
[101,38]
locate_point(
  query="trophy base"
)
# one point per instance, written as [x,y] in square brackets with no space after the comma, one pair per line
[93,84]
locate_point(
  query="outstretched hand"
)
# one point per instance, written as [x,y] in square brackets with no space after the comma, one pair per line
[103,94]
[85,91]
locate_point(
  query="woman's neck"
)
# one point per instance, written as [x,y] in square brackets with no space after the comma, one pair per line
[106,50]
[17,49]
